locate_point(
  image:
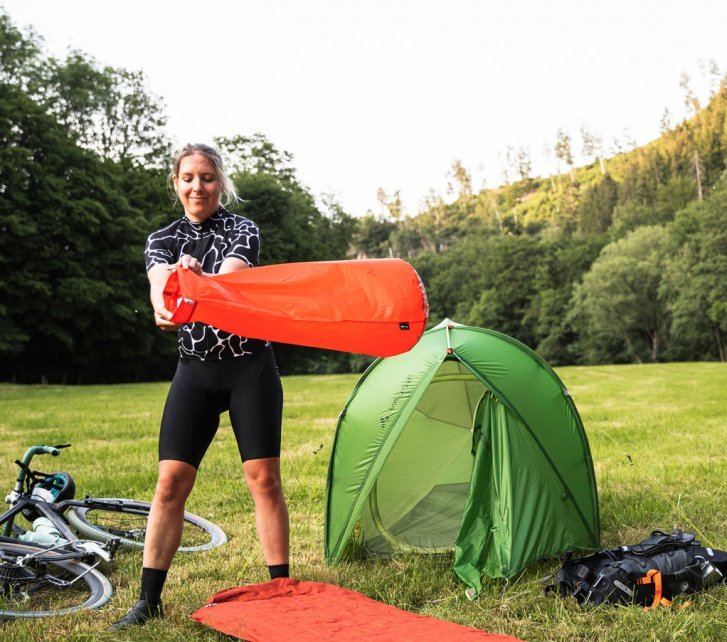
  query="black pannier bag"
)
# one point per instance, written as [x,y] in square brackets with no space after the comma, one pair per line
[649,573]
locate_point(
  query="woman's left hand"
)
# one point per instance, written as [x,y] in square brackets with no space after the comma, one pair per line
[188,262]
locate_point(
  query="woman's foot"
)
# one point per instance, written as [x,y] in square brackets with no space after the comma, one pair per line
[139,614]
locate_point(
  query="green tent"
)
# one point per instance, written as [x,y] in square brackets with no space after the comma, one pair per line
[468,442]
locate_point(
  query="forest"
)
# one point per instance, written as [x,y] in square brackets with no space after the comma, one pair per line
[619,260]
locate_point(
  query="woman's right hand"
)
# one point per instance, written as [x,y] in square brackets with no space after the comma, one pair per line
[162,318]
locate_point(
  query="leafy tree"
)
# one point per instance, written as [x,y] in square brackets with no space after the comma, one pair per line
[21,63]
[507,287]
[668,198]
[372,237]
[255,154]
[562,264]
[595,210]
[110,111]
[71,300]
[619,299]
[695,284]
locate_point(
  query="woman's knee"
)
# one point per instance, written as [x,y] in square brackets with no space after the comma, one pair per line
[174,484]
[263,481]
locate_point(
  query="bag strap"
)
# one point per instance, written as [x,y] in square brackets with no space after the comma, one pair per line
[654,577]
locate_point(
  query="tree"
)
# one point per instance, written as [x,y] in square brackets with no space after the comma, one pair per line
[255,154]
[21,63]
[593,147]
[72,306]
[595,210]
[695,283]
[523,163]
[110,111]
[619,299]
[507,287]
[562,264]
[459,182]
[564,153]
[690,99]
[508,164]
[390,205]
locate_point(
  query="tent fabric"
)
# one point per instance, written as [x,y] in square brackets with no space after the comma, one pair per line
[375,307]
[289,609]
[470,443]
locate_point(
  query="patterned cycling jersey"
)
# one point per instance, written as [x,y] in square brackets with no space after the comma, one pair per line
[221,236]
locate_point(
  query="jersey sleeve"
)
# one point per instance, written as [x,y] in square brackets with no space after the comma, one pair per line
[245,242]
[158,250]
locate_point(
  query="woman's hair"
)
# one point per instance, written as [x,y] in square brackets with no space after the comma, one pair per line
[229,193]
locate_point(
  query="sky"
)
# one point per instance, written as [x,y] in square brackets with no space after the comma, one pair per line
[389,93]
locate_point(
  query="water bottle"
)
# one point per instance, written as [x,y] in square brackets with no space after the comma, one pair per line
[44,533]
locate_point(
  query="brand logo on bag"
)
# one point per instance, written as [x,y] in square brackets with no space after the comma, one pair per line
[624,588]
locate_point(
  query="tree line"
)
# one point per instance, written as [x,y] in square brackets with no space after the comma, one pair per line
[83,167]
[621,260]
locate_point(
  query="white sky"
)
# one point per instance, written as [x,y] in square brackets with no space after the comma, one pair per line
[387,93]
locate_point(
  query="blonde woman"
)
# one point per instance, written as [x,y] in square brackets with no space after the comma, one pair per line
[217,372]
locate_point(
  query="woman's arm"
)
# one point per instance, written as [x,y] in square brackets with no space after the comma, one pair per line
[158,276]
[233,264]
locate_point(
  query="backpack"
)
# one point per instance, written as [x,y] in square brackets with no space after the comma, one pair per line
[649,573]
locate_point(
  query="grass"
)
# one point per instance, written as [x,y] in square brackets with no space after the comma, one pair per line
[657,436]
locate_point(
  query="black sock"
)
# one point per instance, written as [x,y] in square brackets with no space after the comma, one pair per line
[152,583]
[279,570]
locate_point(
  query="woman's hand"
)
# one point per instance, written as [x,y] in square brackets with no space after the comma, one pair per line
[158,276]
[188,262]
[162,318]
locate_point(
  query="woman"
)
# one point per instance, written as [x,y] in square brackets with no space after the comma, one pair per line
[217,371]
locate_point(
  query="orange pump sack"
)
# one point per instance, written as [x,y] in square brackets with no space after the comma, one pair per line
[375,307]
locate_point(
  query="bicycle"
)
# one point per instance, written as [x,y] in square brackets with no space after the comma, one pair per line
[47,570]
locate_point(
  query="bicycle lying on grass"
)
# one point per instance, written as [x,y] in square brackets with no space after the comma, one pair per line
[46,569]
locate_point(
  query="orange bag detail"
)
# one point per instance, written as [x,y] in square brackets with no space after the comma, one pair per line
[376,307]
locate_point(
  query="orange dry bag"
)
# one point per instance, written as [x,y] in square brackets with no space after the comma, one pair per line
[375,307]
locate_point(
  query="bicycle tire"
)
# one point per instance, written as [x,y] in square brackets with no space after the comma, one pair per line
[104,523]
[90,590]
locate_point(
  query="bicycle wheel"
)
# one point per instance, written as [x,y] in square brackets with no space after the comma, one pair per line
[125,519]
[34,583]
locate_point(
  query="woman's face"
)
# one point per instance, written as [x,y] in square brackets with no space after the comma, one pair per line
[198,187]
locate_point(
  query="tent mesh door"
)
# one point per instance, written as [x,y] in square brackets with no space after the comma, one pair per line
[419,496]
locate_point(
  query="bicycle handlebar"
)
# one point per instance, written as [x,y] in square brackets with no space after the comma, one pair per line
[39,450]
[29,454]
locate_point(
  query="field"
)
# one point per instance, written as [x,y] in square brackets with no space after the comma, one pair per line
[657,435]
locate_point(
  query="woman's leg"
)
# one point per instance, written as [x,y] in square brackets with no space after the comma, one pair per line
[256,408]
[189,422]
[166,517]
[271,513]
[163,535]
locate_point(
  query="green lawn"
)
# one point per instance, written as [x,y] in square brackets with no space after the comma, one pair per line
[670,420]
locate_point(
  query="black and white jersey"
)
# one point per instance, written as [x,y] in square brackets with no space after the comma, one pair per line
[222,235]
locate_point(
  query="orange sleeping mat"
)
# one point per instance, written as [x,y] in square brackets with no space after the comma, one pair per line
[375,307]
[288,609]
